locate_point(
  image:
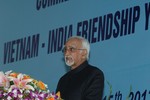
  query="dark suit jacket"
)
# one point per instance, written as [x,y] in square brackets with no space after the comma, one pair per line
[83,83]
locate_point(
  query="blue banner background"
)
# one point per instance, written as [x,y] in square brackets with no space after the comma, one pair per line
[125,60]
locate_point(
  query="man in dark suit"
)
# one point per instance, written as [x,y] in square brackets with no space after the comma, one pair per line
[83,81]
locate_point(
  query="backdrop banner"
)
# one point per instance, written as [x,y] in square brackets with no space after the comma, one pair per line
[33,32]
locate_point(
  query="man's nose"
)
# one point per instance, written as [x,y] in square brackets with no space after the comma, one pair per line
[67,51]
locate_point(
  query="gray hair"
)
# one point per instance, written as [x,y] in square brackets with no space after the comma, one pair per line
[85,44]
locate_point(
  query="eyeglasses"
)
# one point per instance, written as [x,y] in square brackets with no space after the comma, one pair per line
[70,49]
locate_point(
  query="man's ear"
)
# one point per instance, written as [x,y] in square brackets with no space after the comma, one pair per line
[84,53]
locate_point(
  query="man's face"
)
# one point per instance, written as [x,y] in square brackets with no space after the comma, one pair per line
[74,53]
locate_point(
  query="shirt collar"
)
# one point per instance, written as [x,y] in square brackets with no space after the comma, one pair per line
[80,67]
